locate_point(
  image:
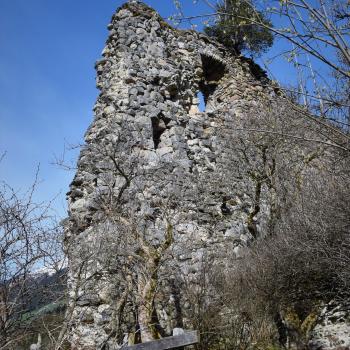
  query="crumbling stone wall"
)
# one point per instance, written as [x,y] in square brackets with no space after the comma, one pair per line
[162,189]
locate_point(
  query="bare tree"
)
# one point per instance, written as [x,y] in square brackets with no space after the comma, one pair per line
[27,230]
[136,236]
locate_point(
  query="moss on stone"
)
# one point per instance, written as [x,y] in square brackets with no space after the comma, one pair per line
[309,323]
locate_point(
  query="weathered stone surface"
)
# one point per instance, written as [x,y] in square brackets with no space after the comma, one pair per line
[154,166]
[333,328]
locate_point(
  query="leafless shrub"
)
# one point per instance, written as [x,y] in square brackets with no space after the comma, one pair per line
[29,241]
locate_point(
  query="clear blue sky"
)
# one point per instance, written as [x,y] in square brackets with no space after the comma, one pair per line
[47,83]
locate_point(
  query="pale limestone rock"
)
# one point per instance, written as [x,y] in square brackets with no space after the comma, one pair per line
[151,158]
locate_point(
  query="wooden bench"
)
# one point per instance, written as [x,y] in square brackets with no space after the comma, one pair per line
[176,341]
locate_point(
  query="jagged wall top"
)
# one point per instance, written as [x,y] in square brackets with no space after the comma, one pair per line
[187,39]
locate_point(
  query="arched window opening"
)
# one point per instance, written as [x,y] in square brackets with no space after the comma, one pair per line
[213,72]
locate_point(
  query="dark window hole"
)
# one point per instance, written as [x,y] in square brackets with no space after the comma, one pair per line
[213,70]
[159,125]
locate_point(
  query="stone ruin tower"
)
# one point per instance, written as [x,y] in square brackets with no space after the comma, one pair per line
[163,192]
